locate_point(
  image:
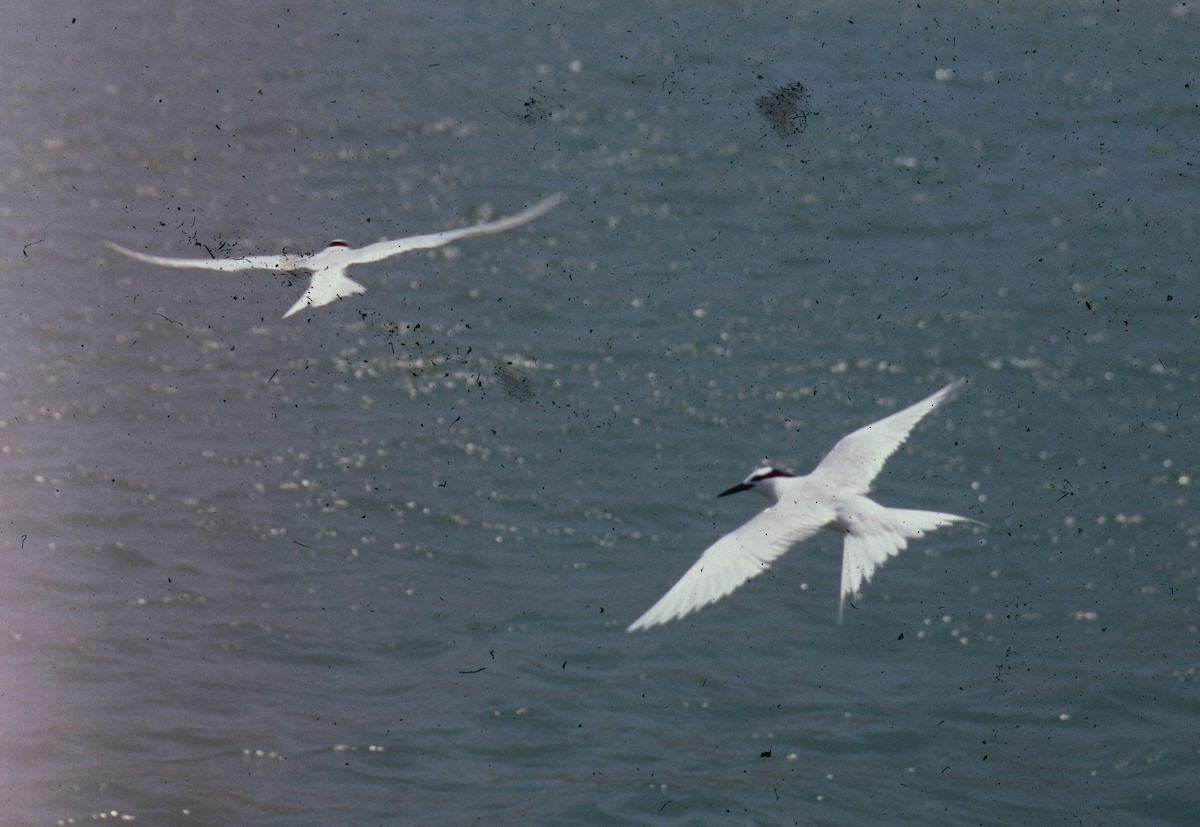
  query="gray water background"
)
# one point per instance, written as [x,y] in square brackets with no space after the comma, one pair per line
[342,569]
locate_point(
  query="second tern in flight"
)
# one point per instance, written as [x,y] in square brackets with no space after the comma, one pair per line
[833,496]
[329,280]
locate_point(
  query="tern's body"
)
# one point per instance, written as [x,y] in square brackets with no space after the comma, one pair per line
[329,280]
[833,496]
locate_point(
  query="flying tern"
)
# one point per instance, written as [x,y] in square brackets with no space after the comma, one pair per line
[329,280]
[833,496]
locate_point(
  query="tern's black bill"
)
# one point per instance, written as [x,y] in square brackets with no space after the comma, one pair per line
[741,486]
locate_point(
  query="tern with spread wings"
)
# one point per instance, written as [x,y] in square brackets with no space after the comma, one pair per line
[833,496]
[329,280]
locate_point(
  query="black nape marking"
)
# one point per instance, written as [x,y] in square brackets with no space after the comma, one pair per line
[337,242]
[771,472]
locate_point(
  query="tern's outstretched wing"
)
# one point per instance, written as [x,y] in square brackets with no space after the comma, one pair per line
[386,249]
[858,458]
[225,264]
[734,559]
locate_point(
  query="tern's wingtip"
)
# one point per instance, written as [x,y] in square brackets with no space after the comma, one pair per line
[548,203]
[955,386]
[948,392]
[296,308]
[642,624]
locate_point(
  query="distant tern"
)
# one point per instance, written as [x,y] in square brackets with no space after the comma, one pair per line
[833,496]
[329,280]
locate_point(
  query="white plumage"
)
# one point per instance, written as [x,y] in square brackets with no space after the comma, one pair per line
[329,280]
[833,496]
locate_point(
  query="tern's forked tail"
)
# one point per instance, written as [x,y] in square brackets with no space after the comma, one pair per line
[882,533]
[326,286]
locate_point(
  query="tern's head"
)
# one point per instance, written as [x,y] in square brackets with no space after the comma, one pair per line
[759,481]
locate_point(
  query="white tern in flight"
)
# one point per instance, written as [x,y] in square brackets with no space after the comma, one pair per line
[833,496]
[329,280]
